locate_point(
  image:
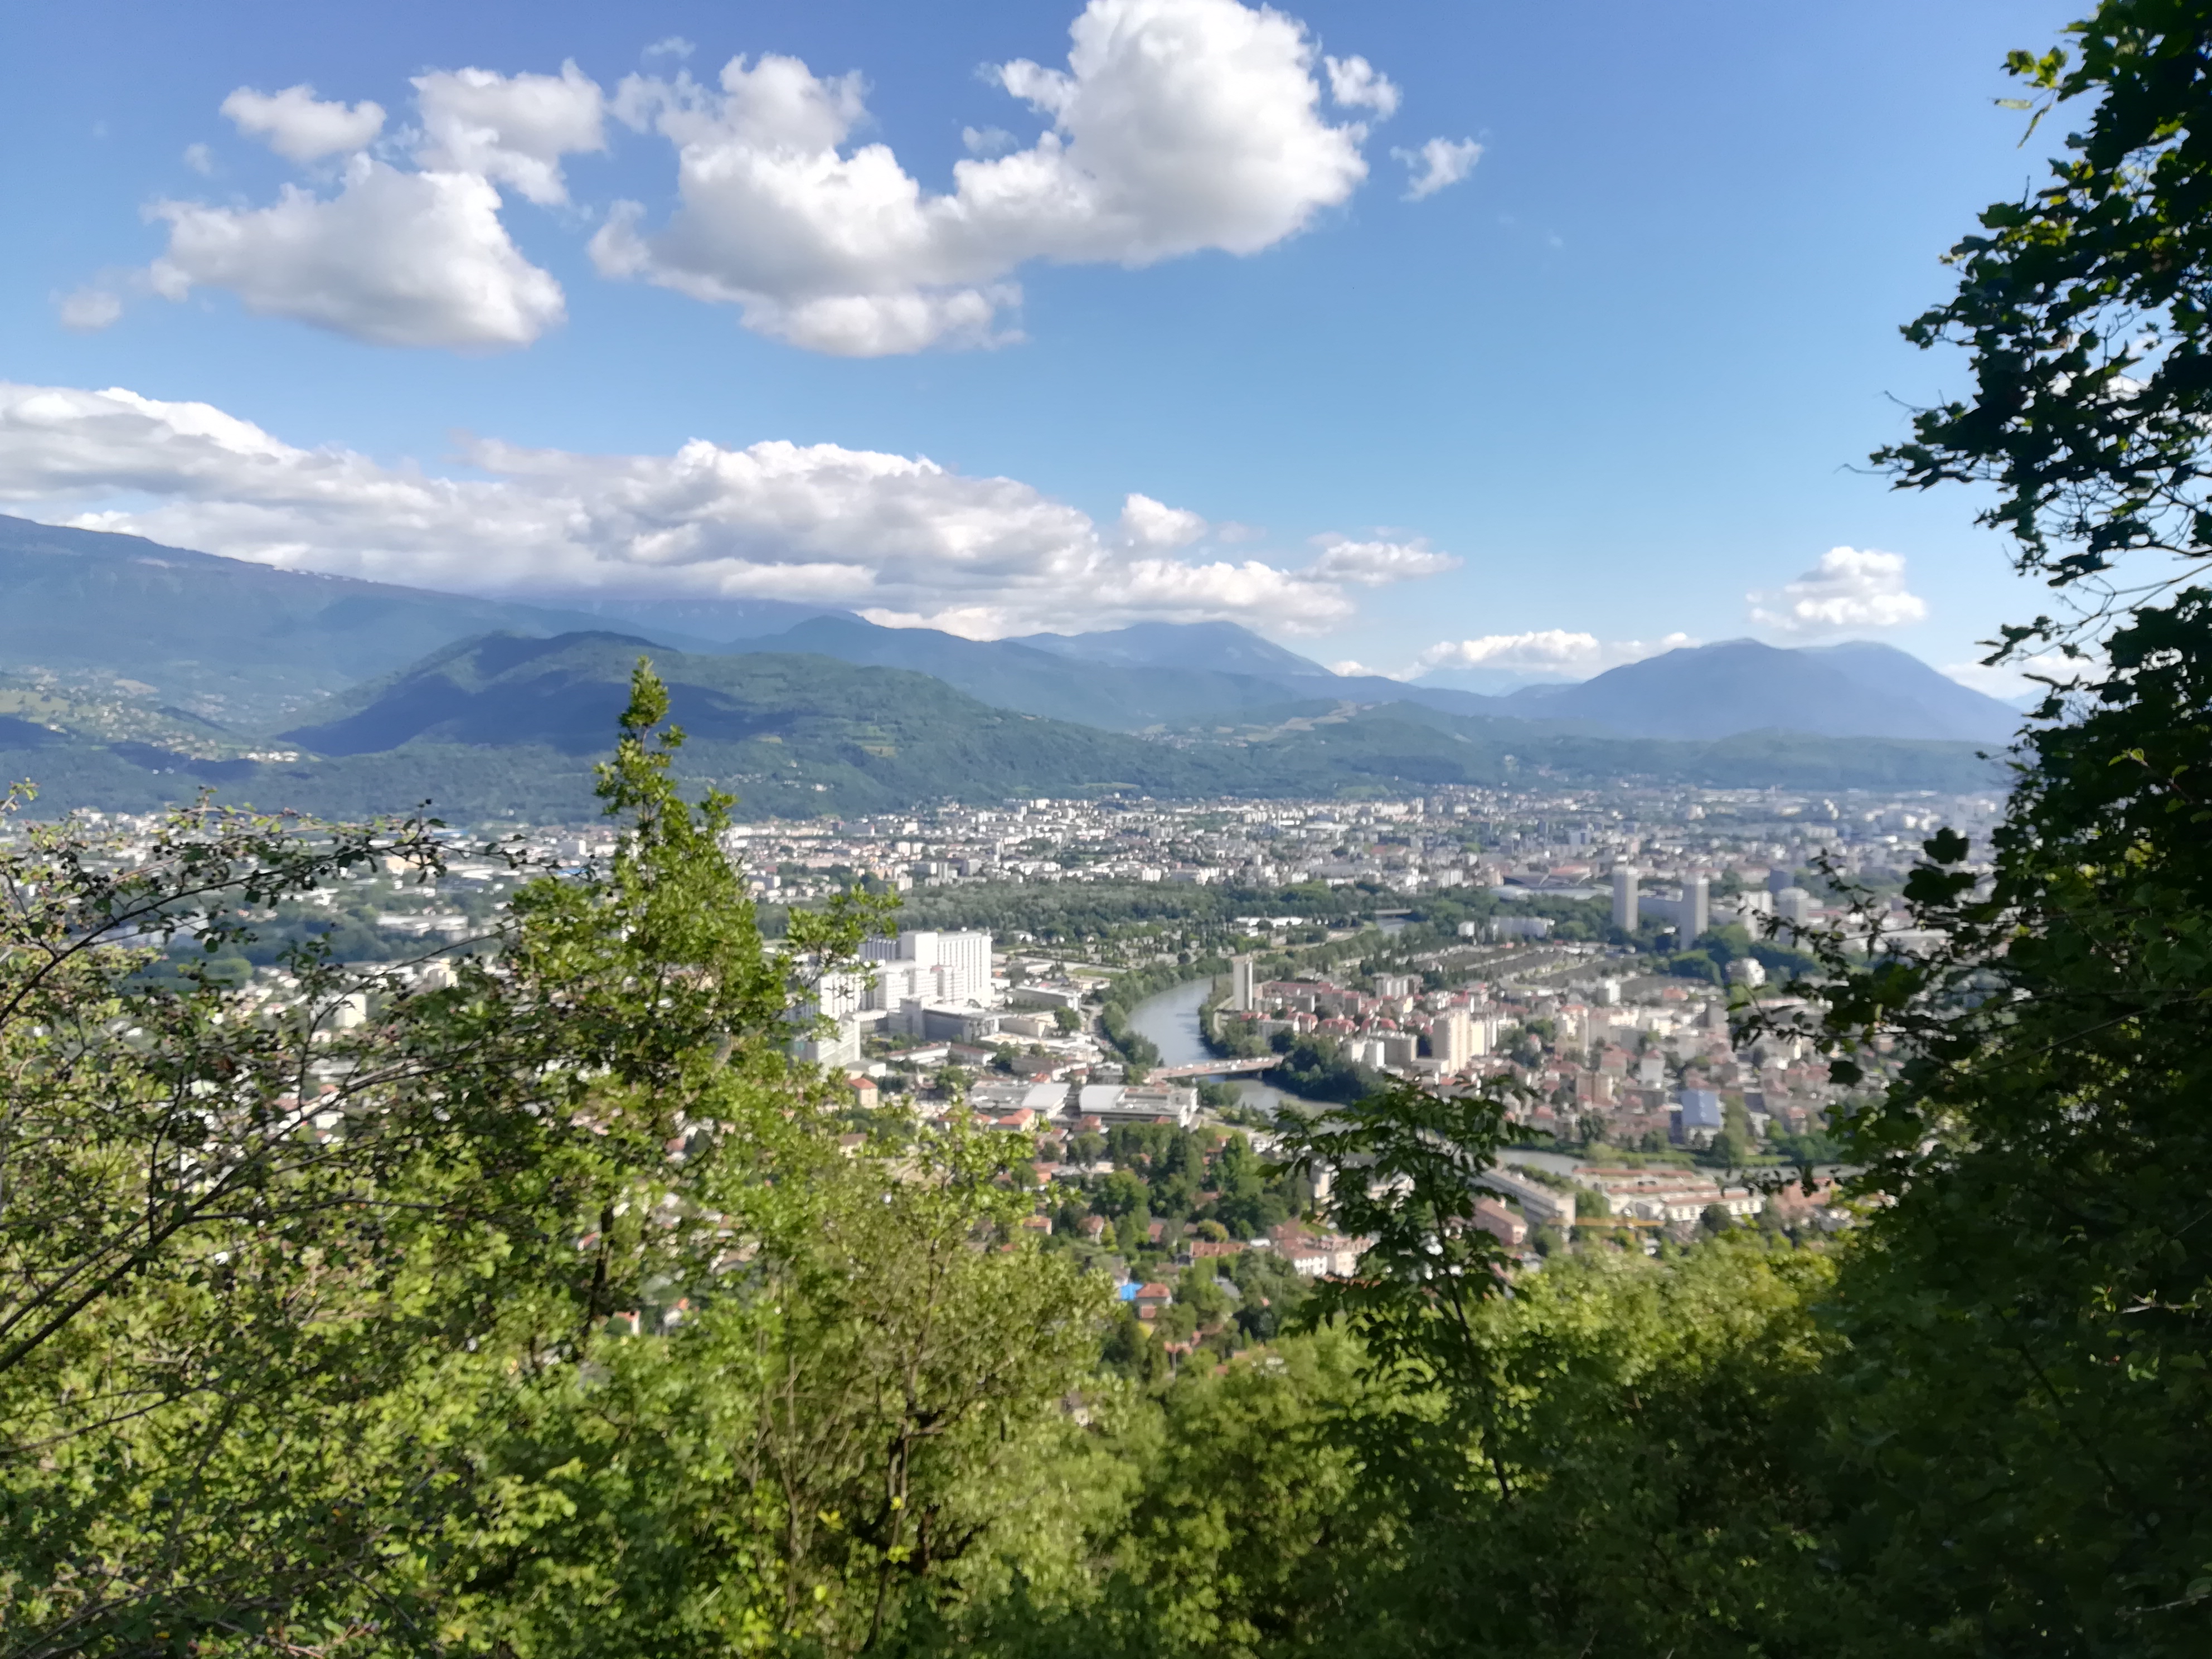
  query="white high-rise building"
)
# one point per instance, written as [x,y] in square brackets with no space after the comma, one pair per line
[1794,904]
[1451,1038]
[839,997]
[1243,985]
[1624,897]
[1693,915]
[841,993]
[1745,908]
[931,967]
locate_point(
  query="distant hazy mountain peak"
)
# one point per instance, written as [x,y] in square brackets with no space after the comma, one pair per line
[1226,646]
[229,638]
[1856,688]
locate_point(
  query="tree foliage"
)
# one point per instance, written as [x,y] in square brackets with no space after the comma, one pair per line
[537,1311]
[2027,1418]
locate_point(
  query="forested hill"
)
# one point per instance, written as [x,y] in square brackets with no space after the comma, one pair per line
[505,724]
[1392,745]
[1115,694]
[789,734]
[236,641]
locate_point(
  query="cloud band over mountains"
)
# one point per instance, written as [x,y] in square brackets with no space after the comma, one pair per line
[898,538]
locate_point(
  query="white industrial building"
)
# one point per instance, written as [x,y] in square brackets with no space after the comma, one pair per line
[929,967]
[1114,1102]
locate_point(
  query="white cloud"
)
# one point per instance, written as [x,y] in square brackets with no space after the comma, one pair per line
[1377,564]
[1358,84]
[897,538]
[1439,162]
[200,158]
[301,127]
[1850,589]
[1154,526]
[511,129]
[395,258]
[88,310]
[2009,680]
[987,140]
[1550,651]
[1177,125]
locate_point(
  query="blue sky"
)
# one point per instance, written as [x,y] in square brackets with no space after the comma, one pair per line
[1581,400]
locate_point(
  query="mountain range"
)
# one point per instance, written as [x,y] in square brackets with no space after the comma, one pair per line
[1136,678]
[229,640]
[131,672]
[1221,645]
[1858,689]
[509,725]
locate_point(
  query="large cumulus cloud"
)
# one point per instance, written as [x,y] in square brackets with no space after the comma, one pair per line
[1851,589]
[1175,127]
[405,247]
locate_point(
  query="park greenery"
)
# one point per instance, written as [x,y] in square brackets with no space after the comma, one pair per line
[549,1308]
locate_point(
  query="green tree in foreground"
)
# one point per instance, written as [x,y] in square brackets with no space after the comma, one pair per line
[537,1312]
[2027,1416]
[1637,1485]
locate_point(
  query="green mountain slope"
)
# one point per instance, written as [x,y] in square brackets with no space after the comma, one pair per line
[1010,674]
[1859,689]
[234,641]
[504,724]
[1223,646]
[776,728]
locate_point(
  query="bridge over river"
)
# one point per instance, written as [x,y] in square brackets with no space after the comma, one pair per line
[1215,1067]
[1170,1019]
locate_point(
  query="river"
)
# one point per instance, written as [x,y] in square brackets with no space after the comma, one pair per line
[1170,1020]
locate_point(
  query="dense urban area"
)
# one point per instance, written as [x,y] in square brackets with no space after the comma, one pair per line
[1586,948]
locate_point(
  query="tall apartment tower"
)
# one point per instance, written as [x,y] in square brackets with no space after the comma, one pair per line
[1794,904]
[1694,916]
[1243,985]
[1624,897]
[1451,1038]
